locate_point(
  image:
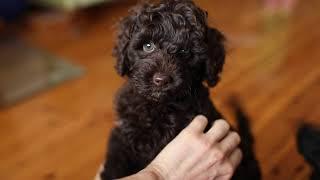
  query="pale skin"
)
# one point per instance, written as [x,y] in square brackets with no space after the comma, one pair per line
[193,154]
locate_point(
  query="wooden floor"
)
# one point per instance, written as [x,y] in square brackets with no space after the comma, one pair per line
[272,66]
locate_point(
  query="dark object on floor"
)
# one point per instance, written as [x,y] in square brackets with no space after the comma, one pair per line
[25,70]
[308,140]
[249,168]
[167,51]
[11,9]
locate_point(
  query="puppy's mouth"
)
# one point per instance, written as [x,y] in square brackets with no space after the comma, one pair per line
[164,94]
[158,95]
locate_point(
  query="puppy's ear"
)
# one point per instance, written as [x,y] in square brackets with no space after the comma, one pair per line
[216,52]
[120,51]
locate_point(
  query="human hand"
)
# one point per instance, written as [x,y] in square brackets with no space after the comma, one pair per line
[197,155]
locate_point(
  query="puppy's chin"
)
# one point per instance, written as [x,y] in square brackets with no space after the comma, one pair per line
[157,96]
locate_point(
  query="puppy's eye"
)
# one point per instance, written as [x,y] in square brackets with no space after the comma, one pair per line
[149,47]
[183,51]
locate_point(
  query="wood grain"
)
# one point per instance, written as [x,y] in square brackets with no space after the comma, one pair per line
[272,66]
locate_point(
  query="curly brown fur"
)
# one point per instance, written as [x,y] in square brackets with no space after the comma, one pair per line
[186,53]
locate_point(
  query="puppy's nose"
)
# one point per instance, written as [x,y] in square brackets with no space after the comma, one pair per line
[161,79]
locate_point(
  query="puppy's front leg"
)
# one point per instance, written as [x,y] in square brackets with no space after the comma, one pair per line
[117,163]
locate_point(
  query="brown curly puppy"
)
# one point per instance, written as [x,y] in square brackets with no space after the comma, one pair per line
[167,51]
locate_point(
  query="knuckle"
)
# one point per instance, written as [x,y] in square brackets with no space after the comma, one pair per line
[240,154]
[205,144]
[236,137]
[187,133]
[225,124]
[195,138]
[218,154]
[229,168]
[190,135]
[222,125]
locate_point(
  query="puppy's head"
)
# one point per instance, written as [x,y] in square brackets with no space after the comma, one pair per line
[168,49]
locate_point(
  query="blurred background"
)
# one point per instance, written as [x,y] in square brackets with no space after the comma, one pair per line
[57,81]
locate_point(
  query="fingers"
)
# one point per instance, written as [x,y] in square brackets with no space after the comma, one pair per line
[218,131]
[198,124]
[230,142]
[229,165]
[236,157]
